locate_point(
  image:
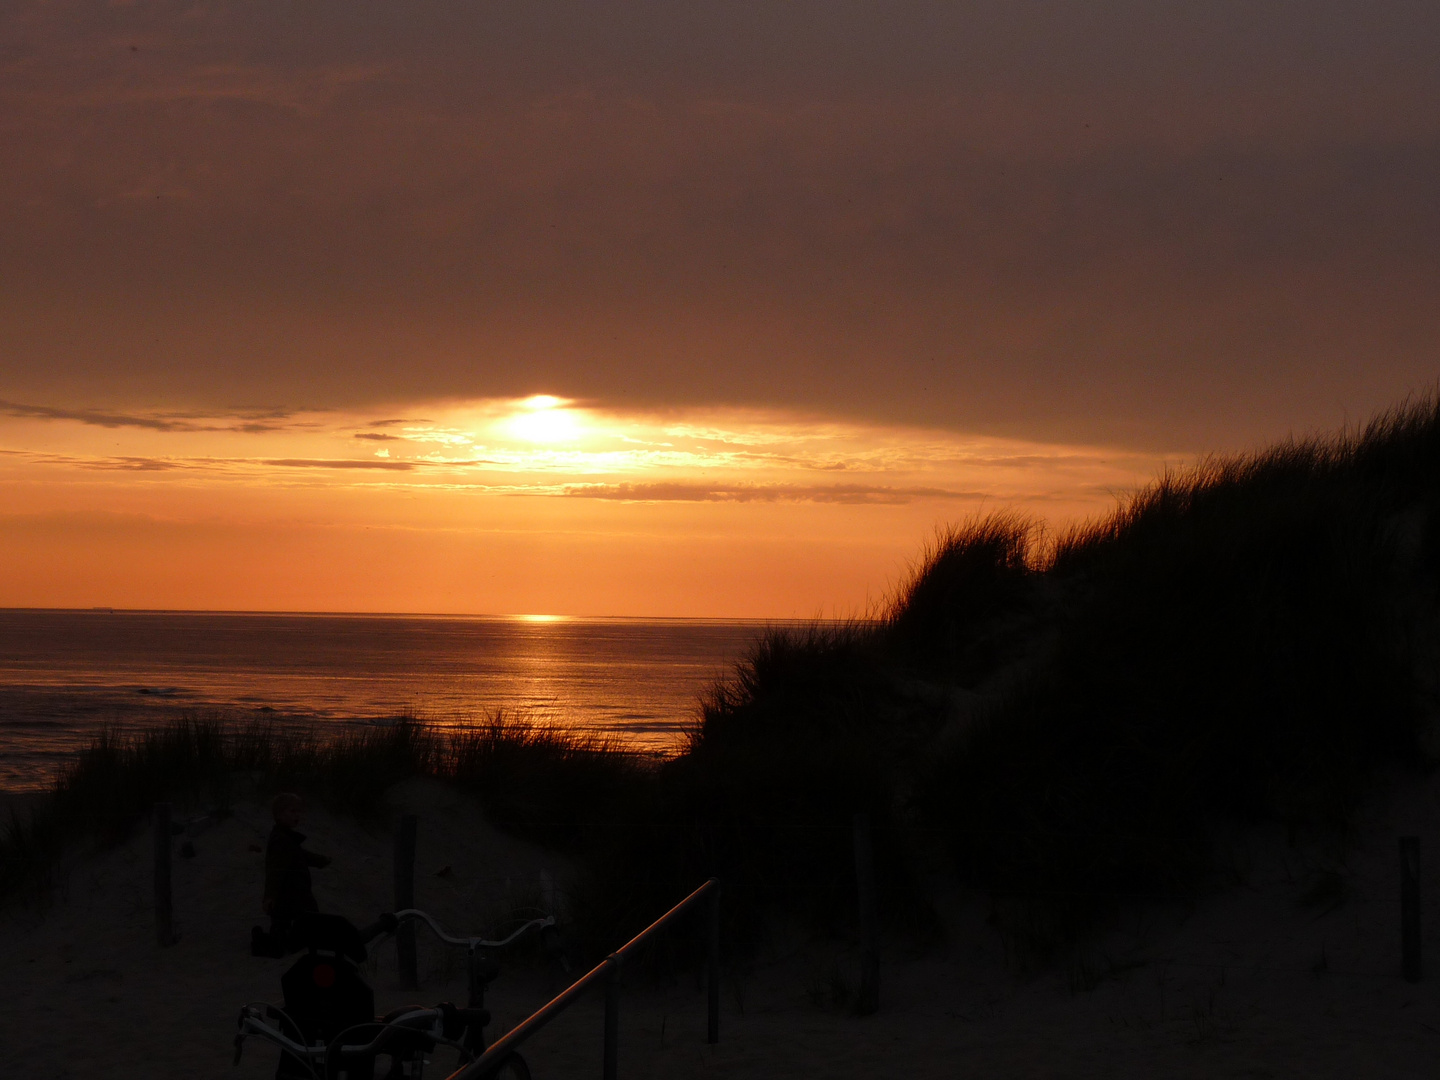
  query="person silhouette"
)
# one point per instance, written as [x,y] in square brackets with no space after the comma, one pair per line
[288,892]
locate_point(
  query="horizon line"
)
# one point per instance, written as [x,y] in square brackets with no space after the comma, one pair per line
[535,617]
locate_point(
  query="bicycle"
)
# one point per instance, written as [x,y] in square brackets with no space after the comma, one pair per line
[328,1029]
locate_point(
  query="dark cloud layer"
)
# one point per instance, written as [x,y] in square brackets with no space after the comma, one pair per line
[1163,223]
[246,422]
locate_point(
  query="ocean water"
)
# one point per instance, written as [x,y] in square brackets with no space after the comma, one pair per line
[65,674]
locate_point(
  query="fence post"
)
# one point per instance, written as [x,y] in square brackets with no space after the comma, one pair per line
[164,904]
[612,1019]
[1410,907]
[868,1000]
[405,898]
[713,972]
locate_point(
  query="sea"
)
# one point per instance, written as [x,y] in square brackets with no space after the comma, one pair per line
[65,675]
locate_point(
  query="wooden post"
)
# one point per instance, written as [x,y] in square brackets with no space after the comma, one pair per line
[868,1000]
[1410,908]
[712,975]
[612,1020]
[164,904]
[405,898]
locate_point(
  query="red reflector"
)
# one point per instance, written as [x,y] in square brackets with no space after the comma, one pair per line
[323,974]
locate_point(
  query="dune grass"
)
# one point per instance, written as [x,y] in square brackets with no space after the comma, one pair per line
[532,779]
[1076,718]
[1241,643]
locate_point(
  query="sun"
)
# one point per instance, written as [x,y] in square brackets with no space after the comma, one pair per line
[544,419]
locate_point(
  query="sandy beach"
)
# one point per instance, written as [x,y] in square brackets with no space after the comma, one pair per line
[1275,977]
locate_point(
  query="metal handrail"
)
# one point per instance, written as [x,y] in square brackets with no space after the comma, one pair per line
[609,969]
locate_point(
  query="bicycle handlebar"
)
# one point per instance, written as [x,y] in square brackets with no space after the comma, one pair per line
[254,1017]
[473,942]
[435,1024]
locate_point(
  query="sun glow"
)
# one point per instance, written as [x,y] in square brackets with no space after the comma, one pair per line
[544,420]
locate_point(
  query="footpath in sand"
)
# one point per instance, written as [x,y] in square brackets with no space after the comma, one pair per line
[1295,972]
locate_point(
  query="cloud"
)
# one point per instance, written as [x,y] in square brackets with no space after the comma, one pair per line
[238,465]
[254,423]
[132,464]
[138,463]
[339,463]
[376,436]
[746,493]
[117,462]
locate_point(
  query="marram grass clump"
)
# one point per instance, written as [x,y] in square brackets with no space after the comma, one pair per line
[1240,644]
[1073,720]
[533,779]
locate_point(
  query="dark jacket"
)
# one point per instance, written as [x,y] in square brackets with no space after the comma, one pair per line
[287,875]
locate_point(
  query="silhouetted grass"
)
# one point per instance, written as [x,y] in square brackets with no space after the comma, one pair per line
[540,782]
[108,786]
[534,780]
[962,613]
[808,731]
[1237,643]
[1074,718]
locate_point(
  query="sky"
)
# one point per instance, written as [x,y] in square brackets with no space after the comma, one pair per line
[705,309]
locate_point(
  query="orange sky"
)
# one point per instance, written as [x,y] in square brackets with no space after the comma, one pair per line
[521,506]
[805,280]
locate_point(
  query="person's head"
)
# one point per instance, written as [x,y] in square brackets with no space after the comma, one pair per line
[287,808]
